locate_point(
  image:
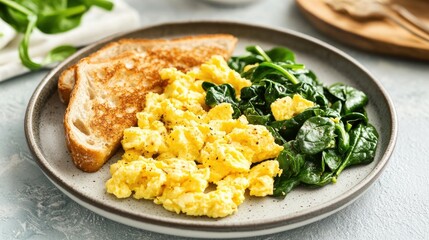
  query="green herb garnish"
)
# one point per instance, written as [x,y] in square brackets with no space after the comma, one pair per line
[50,17]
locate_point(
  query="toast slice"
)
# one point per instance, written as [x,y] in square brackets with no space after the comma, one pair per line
[108,92]
[222,44]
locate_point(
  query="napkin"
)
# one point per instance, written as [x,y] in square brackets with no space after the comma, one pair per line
[96,24]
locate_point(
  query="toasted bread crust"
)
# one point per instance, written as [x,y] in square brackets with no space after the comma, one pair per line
[108,117]
[65,86]
[85,158]
[107,94]
[224,42]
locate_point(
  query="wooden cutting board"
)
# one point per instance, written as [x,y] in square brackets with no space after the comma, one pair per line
[375,35]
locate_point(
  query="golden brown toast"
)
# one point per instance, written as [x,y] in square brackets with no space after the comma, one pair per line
[222,44]
[108,92]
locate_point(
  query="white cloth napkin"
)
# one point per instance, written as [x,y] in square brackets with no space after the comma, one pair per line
[96,24]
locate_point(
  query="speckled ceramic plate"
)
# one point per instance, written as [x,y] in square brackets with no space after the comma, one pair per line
[256,216]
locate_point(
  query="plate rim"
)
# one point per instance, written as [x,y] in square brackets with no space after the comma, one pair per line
[304,216]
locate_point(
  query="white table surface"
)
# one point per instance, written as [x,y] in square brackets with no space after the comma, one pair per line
[395,207]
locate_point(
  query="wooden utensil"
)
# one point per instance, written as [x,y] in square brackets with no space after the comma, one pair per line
[410,17]
[373,9]
[378,35]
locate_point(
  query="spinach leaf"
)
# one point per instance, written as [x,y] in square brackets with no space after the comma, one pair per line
[15,14]
[217,94]
[343,140]
[223,93]
[277,137]
[50,16]
[307,76]
[310,173]
[316,134]
[334,111]
[238,63]
[273,91]
[291,161]
[257,50]
[255,54]
[268,66]
[253,97]
[282,188]
[24,55]
[59,53]
[289,128]
[355,117]
[337,106]
[332,158]
[312,93]
[281,54]
[254,92]
[326,178]
[353,99]
[256,118]
[363,144]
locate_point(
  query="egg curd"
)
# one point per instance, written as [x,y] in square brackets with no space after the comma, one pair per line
[190,159]
[287,107]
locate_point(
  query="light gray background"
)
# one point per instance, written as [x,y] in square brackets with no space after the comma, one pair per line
[395,207]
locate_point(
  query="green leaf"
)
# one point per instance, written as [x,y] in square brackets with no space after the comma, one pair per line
[281,54]
[277,137]
[334,111]
[256,118]
[49,16]
[310,174]
[343,139]
[273,91]
[326,178]
[363,145]
[15,14]
[23,46]
[355,117]
[316,135]
[353,99]
[290,127]
[257,50]
[217,94]
[280,70]
[290,161]
[238,63]
[332,158]
[312,92]
[58,18]
[255,54]
[282,188]
[104,4]
[253,94]
[224,93]
[62,20]
[59,54]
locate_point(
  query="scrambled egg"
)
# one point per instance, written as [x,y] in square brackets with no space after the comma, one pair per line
[191,160]
[287,107]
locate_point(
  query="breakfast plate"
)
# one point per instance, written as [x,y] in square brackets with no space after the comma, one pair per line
[256,216]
